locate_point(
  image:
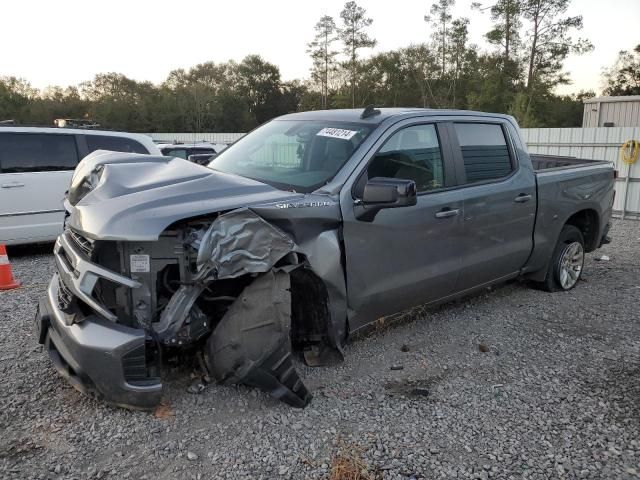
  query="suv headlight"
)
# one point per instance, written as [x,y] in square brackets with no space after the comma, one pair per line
[81,186]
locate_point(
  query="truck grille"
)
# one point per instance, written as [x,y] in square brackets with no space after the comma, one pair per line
[65,297]
[84,243]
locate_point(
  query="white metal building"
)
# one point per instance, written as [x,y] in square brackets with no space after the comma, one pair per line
[612,112]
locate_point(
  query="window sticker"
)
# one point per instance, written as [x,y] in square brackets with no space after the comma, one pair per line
[337,133]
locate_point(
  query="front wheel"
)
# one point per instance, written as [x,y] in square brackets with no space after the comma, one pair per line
[566,262]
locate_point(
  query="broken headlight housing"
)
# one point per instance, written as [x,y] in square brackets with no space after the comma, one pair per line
[83,184]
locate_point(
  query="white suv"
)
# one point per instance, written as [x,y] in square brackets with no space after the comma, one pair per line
[36,165]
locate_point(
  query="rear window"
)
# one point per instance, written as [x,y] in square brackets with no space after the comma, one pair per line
[37,152]
[484,150]
[198,151]
[115,144]
[175,152]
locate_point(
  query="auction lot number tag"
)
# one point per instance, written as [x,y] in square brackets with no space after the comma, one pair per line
[140,263]
[337,133]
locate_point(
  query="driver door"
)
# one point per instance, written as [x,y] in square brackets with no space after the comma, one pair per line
[411,255]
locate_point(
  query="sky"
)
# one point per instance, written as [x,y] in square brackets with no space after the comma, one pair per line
[69,41]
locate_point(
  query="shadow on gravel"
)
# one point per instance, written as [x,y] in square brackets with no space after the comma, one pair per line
[420,389]
[16,251]
[619,386]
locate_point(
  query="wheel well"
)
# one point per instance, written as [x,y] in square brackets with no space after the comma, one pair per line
[310,315]
[588,222]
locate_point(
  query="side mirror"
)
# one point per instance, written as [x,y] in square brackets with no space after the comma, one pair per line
[381,192]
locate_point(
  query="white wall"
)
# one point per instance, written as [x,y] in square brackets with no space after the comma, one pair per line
[196,137]
[621,111]
[595,143]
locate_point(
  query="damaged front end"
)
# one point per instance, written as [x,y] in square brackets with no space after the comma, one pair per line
[221,285]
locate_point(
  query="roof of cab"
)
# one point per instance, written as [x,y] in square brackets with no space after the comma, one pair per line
[353,114]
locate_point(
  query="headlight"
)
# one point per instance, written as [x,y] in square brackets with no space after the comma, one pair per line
[82,186]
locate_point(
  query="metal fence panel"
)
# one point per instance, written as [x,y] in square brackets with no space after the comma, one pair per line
[597,143]
[196,137]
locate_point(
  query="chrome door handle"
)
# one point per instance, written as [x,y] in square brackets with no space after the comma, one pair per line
[522,198]
[12,185]
[448,212]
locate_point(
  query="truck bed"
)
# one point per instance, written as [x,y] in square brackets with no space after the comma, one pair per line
[547,162]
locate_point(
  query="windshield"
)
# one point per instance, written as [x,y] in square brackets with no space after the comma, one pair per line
[293,154]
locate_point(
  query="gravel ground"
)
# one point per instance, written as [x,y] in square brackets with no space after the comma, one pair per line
[512,383]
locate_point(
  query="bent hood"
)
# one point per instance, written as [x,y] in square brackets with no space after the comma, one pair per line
[139,196]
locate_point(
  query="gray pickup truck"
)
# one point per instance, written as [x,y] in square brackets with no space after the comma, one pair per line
[298,236]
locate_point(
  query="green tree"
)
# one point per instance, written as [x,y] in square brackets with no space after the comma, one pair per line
[259,82]
[15,96]
[458,38]
[623,78]
[119,102]
[440,18]
[549,43]
[323,54]
[506,16]
[354,37]
[421,67]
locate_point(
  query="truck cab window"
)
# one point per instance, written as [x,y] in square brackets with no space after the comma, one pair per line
[412,153]
[484,151]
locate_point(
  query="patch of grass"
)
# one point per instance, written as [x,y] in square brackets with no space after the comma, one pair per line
[347,464]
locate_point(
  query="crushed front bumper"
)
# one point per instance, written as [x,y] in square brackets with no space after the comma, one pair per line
[97,356]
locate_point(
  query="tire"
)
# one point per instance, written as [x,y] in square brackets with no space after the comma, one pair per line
[567,261]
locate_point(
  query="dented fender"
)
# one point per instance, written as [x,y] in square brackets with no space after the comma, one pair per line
[315,225]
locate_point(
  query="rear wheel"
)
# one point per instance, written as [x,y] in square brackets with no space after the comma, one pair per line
[566,262]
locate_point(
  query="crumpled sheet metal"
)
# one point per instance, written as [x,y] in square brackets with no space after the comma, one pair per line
[236,243]
[241,242]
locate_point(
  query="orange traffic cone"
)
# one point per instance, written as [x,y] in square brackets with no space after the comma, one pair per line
[7,282]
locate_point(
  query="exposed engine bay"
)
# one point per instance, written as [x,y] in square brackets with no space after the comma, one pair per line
[235,288]
[163,259]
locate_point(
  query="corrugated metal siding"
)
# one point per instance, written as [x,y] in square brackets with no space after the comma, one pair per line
[196,137]
[590,115]
[593,143]
[621,114]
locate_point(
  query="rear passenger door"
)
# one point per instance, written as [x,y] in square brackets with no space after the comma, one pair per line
[499,203]
[35,171]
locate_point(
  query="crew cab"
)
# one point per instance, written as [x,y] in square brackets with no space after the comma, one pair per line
[300,235]
[36,165]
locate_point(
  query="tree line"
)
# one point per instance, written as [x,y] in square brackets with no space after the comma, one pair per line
[515,72]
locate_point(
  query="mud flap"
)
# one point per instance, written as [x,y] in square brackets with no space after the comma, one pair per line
[251,344]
